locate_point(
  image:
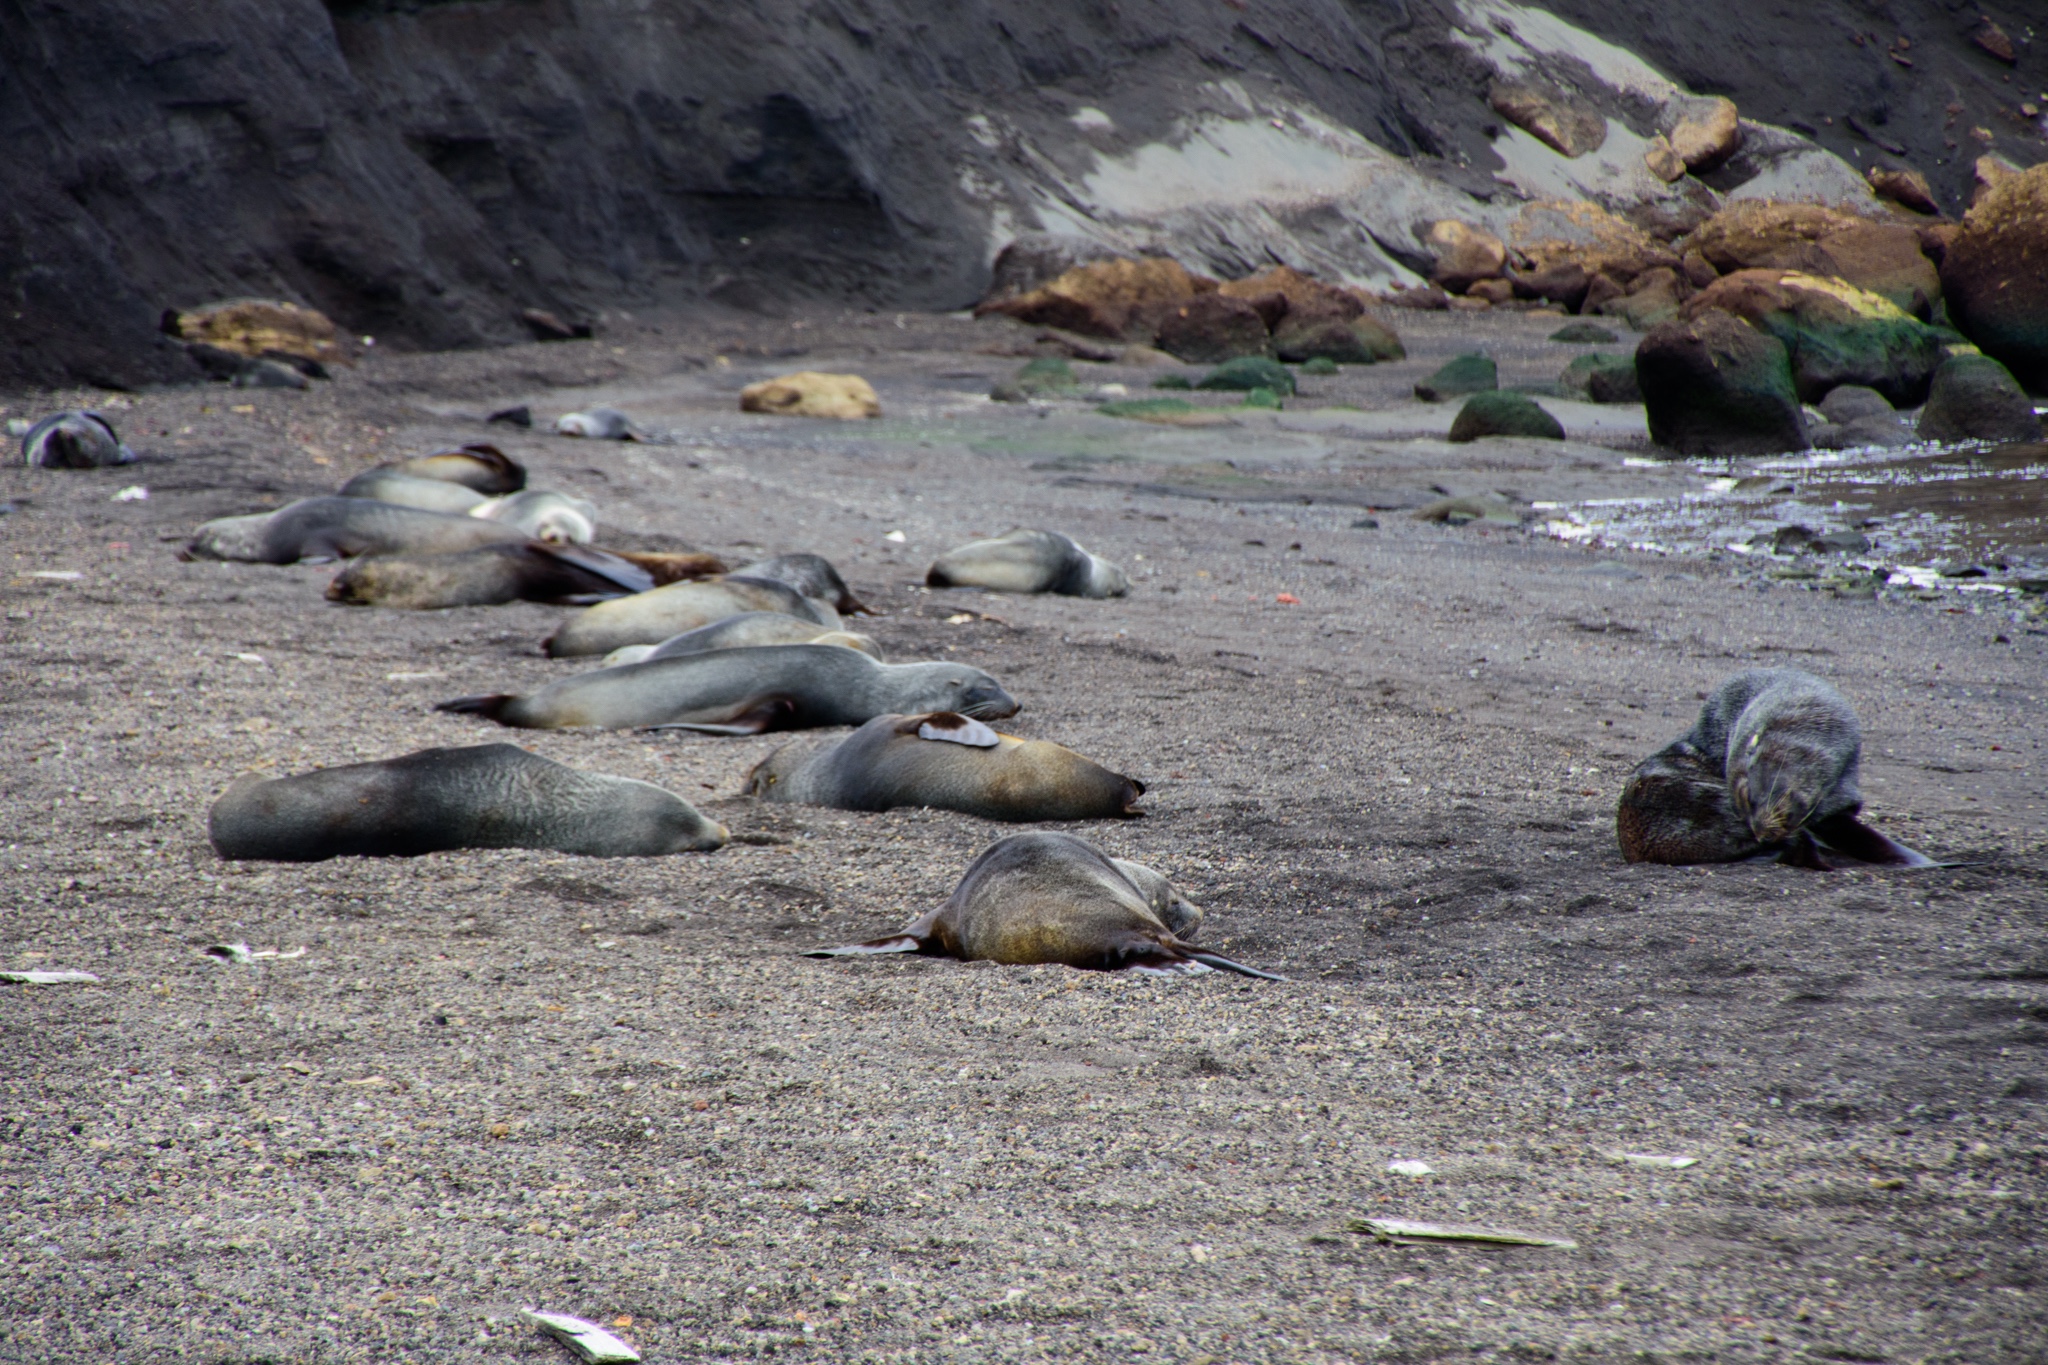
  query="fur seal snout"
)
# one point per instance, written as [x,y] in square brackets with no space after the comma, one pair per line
[1771,764]
[488,796]
[1046,897]
[73,440]
[948,762]
[1028,561]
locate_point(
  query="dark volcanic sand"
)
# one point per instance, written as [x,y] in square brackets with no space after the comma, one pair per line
[611,1088]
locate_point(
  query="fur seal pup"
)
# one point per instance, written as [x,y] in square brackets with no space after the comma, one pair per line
[1028,561]
[386,484]
[811,575]
[487,796]
[316,529]
[599,424]
[528,571]
[543,514]
[649,618]
[747,692]
[1046,897]
[73,440]
[1770,765]
[477,465]
[947,762]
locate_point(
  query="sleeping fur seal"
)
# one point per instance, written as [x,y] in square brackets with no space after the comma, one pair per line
[811,575]
[747,692]
[527,571]
[1028,561]
[947,762]
[599,424]
[386,484]
[489,796]
[745,631]
[476,465]
[73,440]
[1046,897]
[342,528]
[543,514]
[1771,765]
[649,618]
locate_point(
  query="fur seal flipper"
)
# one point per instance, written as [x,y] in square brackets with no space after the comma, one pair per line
[1052,898]
[1028,561]
[488,796]
[526,571]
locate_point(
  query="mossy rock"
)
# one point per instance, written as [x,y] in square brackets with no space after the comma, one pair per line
[1504,414]
[1249,372]
[1045,375]
[1584,334]
[1261,398]
[1172,381]
[1459,376]
[1320,365]
[1974,398]
[1361,340]
[1146,407]
[1601,378]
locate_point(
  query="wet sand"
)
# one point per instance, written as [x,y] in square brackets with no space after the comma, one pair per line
[611,1088]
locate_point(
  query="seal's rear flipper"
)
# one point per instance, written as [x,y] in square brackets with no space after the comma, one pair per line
[757,719]
[491,705]
[895,943]
[1224,964]
[1847,835]
[626,575]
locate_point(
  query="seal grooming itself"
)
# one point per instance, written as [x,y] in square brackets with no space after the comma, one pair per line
[319,529]
[1045,897]
[811,575]
[947,762]
[599,424]
[529,571]
[477,465]
[543,514]
[1028,561]
[747,692]
[746,631]
[73,440]
[1770,765]
[489,796]
[649,618]
[386,484]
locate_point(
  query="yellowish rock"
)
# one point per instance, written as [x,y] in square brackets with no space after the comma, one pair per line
[259,327]
[812,393]
[1464,254]
[1708,133]
[1664,162]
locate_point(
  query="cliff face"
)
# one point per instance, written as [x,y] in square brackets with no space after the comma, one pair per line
[422,169]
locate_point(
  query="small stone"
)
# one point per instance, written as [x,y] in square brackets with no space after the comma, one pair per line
[1995,41]
[1504,414]
[1585,334]
[1458,376]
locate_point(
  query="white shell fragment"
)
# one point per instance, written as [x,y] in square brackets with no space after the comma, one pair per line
[49,978]
[1659,1163]
[1403,1230]
[1411,1168]
[589,1341]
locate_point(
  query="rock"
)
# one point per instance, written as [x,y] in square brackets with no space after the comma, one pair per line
[1995,41]
[1302,293]
[1714,385]
[1860,434]
[1363,340]
[1663,161]
[1051,341]
[809,393]
[1427,297]
[1493,291]
[1462,511]
[1172,381]
[1123,298]
[1246,373]
[545,326]
[1601,290]
[1601,379]
[1321,366]
[1987,173]
[1261,398]
[1706,132]
[1045,375]
[1853,402]
[1994,276]
[1462,254]
[1551,117]
[1974,398]
[1460,375]
[1884,258]
[1563,283]
[269,374]
[1835,333]
[261,328]
[1503,414]
[1038,258]
[1213,327]
[1698,271]
[1145,356]
[1584,334]
[1905,187]
[1653,297]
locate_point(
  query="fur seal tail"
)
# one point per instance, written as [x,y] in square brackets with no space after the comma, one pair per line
[1224,964]
[491,705]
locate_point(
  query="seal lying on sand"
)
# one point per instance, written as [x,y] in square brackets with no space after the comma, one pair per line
[73,440]
[599,424]
[386,484]
[341,528]
[1046,897]
[745,631]
[528,571]
[543,514]
[649,618]
[1028,561]
[1771,764]
[747,692]
[489,796]
[947,762]
[811,575]
[477,465]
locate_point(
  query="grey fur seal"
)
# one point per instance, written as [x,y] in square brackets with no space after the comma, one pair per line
[649,618]
[745,631]
[488,796]
[524,571]
[747,692]
[386,484]
[1770,765]
[317,529]
[1028,561]
[947,762]
[544,515]
[477,465]
[1046,897]
[599,424]
[811,575]
[73,440]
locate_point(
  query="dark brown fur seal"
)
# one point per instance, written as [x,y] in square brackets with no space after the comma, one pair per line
[1771,765]
[947,762]
[1046,897]
[489,796]
[530,571]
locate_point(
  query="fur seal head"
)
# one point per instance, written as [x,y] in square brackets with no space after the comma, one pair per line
[598,424]
[1028,561]
[73,440]
[545,515]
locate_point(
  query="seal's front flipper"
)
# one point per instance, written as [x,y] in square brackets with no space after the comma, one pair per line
[895,943]
[757,719]
[1224,964]
[625,575]
[1801,851]
[491,705]
[1850,837]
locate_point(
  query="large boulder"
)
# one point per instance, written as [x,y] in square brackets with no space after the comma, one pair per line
[1883,257]
[1210,328]
[1975,398]
[1302,293]
[1463,255]
[1994,275]
[1363,340]
[261,328]
[1714,385]
[1038,258]
[1836,333]
[1125,298]
[1704,132]
[1504,414]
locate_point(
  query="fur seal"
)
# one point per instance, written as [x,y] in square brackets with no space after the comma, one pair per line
[527,571]
[748,629]
[947,762]
[326,528]
[543,514]
[747,692]
[599,424]
[1028,561]
[477,465]
[649,618]
[488,796]
[1771,765]
[811,575]
[1046,897]
[386,484]
[73,440]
